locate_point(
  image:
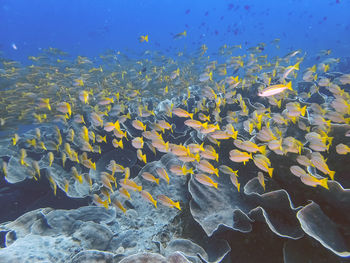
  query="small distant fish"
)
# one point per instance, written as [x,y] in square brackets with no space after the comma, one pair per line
[180,35]
[14,46]
[143,38]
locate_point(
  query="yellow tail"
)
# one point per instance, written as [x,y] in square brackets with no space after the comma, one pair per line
[324,183]
[303,110]
[270,170]
[262,149]
[177,205]
[331,174]
[105,204]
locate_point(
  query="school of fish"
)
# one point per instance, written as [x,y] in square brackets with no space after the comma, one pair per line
[246,102]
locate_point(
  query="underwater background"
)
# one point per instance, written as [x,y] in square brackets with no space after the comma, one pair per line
[174,131]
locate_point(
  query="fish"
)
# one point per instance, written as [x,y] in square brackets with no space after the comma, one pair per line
[138,125]
[137,142]
[182,113]
[130,185]
[110,126]
[142,157]
[179,150]
[15,139]
[76,175]
[143,38]
[84,96]
[166,201]
[116,203]
[227,170]
[252,147]
[342,149]
[263,163]
[149,177]
[4,168]
[180,170]
[209,153]
[123,192]
[261,179]
[180,35]
[206,180]
[313,181]
[238,156]
[162,173]
[207,167]
[297,170]
[118,144]
[195,124]
[235,182]
[65,107]
[106,182]
[51,158]
[275,89]
[320,163]
[148,197]
[99,202]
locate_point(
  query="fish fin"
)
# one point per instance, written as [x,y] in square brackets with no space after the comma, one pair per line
[324,183]
[105,204]
[177,205]
[262,149]
[270,170]
[303,110]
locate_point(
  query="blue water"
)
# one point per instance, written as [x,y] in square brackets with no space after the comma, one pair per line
[89,27]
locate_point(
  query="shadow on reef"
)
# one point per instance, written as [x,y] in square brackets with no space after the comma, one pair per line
[17,199]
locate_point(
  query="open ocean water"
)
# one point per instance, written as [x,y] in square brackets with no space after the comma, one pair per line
[174,131]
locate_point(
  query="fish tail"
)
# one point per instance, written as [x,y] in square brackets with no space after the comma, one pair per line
[238,187]
[216,171]
[105,204]
[324,183]
[331,174]
[155,203]
[215,185]
[289,86]
[177,205]
[296,66]
[197,157]
[191,115]
[120,143]
[157,180]
[270,170]
[139,188]
[303,110]
[262,149]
